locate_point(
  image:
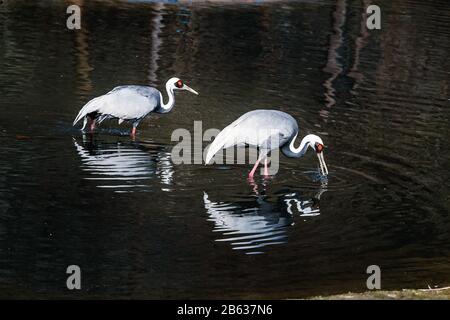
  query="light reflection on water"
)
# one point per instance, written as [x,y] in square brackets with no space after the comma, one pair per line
[260,222]
[124,166]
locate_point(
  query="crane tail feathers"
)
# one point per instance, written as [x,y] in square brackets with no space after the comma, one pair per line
[91,106]
[225,139]
[210,154]
[84,123]
[212,150]
[220,142]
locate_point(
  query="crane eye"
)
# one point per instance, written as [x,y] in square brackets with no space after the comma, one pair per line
[179,84]
[319,147]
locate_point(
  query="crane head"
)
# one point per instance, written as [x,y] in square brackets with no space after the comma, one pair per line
[316,143]
[178,84]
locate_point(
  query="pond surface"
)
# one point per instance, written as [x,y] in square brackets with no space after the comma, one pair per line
[141,226]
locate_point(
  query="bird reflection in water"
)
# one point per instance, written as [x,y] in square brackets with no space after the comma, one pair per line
[125,166]
[260,222]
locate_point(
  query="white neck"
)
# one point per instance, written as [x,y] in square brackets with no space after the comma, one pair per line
[291,151]
[166,107]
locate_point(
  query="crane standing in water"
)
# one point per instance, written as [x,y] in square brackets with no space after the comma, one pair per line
[267,130]
[129,103]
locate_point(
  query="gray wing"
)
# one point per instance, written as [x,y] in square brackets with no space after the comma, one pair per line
[124,102]
[130,102]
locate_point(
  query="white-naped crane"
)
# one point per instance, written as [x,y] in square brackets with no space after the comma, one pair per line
[129,103]
[267,130]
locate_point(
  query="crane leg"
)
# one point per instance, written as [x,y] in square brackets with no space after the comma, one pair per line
[92,126]
[133,132]
[251,174]
[266,170]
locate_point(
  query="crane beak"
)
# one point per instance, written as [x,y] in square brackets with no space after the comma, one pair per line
[185,87]
[323,166]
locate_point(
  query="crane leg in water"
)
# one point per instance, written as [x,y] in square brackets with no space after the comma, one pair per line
[133,131]
[252,173]
[262,155]
[266,171]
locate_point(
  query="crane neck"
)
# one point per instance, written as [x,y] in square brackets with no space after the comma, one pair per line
[166,107]
[291,151]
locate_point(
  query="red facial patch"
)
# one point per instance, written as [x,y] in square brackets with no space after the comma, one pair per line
[179,84]
[319,147]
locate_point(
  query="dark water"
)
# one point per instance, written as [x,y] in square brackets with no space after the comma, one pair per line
[140,226]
